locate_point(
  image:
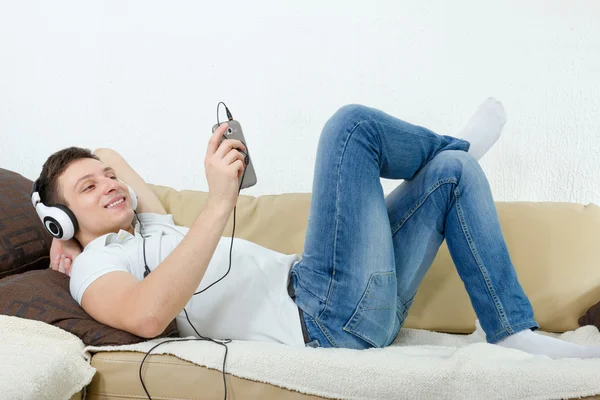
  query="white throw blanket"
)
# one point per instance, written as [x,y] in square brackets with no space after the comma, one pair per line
[419,365]
[40,361]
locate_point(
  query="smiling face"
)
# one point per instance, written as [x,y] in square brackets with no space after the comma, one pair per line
[100,202]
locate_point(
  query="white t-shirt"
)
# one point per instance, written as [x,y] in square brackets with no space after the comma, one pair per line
[250,303]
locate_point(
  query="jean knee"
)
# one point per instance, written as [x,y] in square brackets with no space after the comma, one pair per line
[353,111]
[457,162]
[348,116]
[460,165]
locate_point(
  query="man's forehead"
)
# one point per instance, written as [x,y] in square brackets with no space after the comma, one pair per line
[82,169]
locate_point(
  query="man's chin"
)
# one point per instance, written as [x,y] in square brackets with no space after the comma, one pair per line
[120,220]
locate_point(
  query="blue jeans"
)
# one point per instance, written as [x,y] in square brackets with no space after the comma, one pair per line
[366,254]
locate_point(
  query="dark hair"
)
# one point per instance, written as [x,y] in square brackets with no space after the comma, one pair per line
[53,168]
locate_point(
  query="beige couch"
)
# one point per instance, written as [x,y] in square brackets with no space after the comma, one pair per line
[554,247]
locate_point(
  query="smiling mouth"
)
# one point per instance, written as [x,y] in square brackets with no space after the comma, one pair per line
[116,203]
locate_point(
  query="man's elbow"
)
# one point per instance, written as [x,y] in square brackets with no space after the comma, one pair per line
[103,152]
[150,327]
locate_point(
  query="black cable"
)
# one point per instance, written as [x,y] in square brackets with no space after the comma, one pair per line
[147,272]
[229,117]
[201,338]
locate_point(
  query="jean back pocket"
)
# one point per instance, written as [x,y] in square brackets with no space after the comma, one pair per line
[374,319]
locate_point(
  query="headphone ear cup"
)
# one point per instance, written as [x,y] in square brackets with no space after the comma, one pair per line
[58,220]
[133,197]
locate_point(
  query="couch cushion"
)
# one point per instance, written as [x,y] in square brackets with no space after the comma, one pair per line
[168,377]
[24,243]
[44,296]
[554,248]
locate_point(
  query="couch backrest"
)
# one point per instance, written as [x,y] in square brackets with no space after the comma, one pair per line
[555,248]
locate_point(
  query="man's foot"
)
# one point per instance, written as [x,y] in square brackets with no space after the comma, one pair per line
[534,343]
[484,127]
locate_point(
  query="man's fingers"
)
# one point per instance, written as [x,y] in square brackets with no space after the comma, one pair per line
[61,266]
[228,145]
[54,262]
[213,143]
[232,156]
[64,265]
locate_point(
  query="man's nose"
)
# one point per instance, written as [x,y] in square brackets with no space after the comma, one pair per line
[111,185]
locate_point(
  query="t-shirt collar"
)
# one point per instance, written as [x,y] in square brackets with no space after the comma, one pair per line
[109,238]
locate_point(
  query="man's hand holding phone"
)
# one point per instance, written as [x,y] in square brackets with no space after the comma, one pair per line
[224,166]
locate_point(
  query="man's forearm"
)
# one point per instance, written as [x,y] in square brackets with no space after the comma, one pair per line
[166,291]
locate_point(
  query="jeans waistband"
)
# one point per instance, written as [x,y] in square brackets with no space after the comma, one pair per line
[292,293]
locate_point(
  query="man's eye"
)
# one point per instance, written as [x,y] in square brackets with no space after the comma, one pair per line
[113,177]
[88,187]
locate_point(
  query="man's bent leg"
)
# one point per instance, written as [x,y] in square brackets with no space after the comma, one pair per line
[450,197]
[348,263]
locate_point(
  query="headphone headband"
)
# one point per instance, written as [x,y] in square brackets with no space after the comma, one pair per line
[35,195]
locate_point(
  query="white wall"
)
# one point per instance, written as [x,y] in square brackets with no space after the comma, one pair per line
[144,77]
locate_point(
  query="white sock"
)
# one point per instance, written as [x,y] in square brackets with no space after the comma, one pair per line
[484,127]
[534,343]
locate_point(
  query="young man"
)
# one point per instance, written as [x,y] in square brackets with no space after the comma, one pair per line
[364,257]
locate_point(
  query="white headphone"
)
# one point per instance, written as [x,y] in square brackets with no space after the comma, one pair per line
[58,220]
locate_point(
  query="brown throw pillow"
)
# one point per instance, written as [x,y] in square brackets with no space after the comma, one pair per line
[44,296]
[24,243]
[591,317]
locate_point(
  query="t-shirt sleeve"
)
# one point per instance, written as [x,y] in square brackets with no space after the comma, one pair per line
[91,265]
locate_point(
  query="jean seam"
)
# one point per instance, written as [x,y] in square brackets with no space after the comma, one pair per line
[482,269]
[325,333]
[404,303]
[308,291]
[512,330]
[337,208]
[421,201]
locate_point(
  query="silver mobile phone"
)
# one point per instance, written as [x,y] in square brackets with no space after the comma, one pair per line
[234,131]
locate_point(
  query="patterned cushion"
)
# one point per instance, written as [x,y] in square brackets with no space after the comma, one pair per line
[44,296]
[24,243]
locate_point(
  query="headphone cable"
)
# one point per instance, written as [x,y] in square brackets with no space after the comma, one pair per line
[147,272]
